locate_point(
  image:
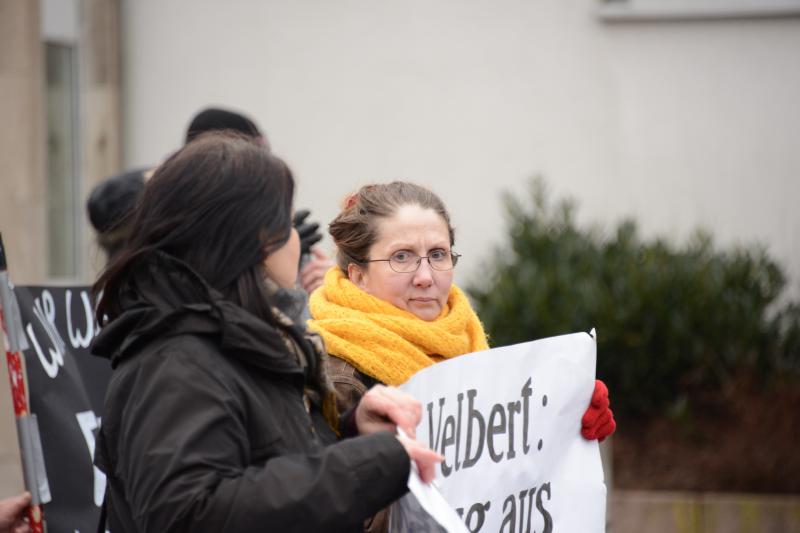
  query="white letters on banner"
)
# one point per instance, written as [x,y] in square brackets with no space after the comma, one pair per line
[89,423]
[66,386]
[45,310]
[508,422]
[76,338]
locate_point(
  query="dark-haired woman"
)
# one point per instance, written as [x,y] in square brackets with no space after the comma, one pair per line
[390,308]
[219,415]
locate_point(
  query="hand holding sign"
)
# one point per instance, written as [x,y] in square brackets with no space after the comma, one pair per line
[598,420]
[425,458]
[389,409]
[508,423]
[11,514]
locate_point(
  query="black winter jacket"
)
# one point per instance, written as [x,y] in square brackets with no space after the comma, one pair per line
[207,426]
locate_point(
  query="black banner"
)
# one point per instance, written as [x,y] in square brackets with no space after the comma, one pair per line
[66,388]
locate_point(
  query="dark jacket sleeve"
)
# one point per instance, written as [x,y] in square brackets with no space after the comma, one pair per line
[184,460]
[350,386]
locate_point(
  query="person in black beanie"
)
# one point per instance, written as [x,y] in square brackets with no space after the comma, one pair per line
[214,118]
[109,202]
[113,199]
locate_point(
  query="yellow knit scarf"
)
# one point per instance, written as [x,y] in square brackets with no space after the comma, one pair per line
[386,342]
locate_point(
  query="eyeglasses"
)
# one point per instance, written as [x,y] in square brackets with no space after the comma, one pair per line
[404,262]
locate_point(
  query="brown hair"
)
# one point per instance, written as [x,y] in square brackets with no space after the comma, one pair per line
[221,204]
[355,229]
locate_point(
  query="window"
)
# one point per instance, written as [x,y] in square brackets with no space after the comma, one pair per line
[62,177]
[64,206]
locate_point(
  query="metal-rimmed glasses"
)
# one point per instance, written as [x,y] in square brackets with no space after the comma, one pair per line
[404,262]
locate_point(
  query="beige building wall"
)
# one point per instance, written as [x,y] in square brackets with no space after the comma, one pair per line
[100,109]
[22,202]
[22,148]
[23,189]
[679,123]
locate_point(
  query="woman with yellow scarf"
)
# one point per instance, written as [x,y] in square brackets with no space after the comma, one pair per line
[389,307]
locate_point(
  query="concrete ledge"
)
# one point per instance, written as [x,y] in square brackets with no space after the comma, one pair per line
[631,11]
[686,512]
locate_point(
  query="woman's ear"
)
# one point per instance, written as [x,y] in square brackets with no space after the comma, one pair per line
[356,275]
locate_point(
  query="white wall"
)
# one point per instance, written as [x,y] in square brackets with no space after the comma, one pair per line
[679,124]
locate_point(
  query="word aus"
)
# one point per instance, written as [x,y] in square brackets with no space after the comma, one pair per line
[519,513]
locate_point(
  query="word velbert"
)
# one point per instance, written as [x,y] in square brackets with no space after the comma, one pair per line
[480,431]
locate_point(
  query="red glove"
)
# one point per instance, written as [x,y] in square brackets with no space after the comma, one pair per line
[598,420]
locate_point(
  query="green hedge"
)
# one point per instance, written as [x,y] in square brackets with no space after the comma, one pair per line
[670,320]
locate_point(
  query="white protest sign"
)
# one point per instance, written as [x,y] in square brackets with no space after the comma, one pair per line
[508,422]
[423,509]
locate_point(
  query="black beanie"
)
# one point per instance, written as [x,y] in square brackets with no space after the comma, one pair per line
[113,198]
[219,119]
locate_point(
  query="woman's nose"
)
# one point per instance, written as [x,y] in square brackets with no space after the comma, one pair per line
[423,277]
